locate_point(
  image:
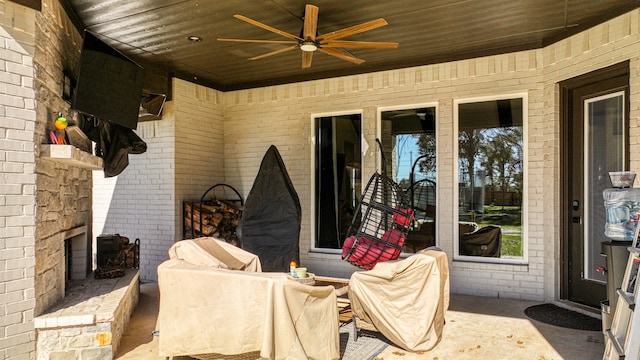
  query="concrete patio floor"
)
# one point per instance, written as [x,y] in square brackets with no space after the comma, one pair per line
[476,328]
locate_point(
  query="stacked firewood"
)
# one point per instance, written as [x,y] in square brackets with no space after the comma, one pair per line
[216,218]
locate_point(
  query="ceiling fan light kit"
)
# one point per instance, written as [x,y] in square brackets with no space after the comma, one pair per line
[308,45]
[330,43]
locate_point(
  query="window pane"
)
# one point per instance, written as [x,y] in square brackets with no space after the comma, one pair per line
[603,151]
[490,178]
[337,177]
[409,144]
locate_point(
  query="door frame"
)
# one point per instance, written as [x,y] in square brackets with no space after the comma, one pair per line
[566,144]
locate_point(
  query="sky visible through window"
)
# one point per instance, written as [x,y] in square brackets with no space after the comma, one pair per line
[407,151]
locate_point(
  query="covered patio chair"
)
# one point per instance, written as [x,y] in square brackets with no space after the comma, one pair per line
[404,300]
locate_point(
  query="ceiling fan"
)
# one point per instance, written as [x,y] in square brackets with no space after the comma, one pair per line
[309,41]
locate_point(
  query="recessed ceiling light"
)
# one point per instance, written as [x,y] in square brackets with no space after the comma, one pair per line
[194,38]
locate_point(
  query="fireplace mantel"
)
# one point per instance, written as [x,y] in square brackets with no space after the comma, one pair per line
[70,155]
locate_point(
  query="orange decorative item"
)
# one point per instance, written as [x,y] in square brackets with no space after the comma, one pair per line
[60,124]
[292,268]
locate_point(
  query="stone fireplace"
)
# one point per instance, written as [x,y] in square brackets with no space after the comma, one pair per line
[77,315]
[63,215]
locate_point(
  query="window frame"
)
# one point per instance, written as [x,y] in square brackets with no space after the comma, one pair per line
[456,172]
[435,105]
[312,175]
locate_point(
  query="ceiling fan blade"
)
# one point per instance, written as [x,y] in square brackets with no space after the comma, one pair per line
[307,56]
[261,41]
[342,55]
[267,27]
[359,44]
[310,22]
[369,25]
[274,52]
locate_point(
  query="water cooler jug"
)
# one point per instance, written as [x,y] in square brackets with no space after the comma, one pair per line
[622,207]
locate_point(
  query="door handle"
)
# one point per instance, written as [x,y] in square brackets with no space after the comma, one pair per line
[576,219]
[575,204]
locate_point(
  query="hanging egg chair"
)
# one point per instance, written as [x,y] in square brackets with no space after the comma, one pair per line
[380,224]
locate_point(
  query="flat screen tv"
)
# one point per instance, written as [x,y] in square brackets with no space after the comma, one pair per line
[109,84]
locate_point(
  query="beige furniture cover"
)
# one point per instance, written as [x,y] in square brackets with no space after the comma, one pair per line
[405,300]
[212,309]
[217,253]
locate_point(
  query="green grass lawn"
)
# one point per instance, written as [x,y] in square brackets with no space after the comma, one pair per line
[511,240]
[511,245]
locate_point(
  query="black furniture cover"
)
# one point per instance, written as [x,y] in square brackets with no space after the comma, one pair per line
[114,143]
[485,241]
[272,215]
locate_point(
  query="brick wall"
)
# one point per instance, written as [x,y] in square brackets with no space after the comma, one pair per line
[199,143]
[17,188]
[139,203]
[183,159]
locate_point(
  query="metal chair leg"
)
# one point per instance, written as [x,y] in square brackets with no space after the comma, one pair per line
[355,328]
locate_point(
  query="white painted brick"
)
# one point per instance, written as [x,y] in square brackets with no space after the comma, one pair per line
[8,78]
[18,68]
[20,113]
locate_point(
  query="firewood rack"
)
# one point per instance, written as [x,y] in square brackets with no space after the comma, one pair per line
[217,195]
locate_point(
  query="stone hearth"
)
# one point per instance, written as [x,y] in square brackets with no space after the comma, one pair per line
[90,321]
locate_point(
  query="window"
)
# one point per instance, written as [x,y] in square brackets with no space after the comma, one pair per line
[490,175]
[408,137]
[337,183]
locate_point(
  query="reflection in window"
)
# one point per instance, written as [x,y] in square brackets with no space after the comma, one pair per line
[408,138]
[337,177]
[490,178]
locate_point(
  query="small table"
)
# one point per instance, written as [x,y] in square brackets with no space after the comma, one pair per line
[342,287]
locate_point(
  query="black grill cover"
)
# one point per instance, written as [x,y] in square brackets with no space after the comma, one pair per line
[272,215]
[485,241]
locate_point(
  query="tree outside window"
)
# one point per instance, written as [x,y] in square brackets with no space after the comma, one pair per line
[490,178]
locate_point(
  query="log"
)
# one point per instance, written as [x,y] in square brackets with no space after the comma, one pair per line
[217,218]
[231,205]
[205,230]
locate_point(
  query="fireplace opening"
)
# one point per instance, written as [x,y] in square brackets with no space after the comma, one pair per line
[76,255]
[68,255]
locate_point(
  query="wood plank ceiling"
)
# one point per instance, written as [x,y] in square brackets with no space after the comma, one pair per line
[155,32]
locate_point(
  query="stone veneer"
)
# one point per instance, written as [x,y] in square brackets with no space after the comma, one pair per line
[63,192]
[90,321]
